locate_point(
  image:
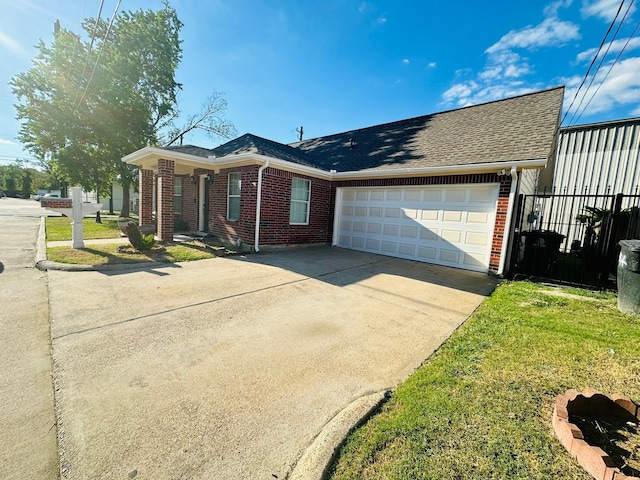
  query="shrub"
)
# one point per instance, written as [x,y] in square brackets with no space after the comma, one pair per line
[140,242]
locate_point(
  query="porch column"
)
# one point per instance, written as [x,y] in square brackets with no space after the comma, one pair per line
[145,208]
[166,182]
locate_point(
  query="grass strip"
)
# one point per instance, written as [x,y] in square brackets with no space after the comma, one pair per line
[481,406]
[109,254]
[59,228]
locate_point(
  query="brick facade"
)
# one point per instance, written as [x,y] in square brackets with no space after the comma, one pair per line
[145,181]
[276,201]
[165,214]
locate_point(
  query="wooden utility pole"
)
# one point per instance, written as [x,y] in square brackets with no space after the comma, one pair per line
[300,132]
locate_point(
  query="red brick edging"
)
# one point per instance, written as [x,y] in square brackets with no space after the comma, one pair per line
[593,459]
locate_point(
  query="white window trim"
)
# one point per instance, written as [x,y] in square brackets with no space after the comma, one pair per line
[308,202]
[230,196]
[177,197]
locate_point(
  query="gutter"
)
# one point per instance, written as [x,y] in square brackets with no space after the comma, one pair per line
[508,231]
[256,245]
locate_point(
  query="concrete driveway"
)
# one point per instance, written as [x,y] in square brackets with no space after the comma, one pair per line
[231,367]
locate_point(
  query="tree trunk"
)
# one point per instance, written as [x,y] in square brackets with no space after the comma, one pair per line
[126,186]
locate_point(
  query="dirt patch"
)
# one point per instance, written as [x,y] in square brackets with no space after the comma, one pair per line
[617,436]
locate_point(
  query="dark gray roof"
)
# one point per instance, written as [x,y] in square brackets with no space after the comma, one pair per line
[518,128]
[191,150]
[249,143]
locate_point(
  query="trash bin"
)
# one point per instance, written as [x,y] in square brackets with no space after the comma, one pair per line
[629,277]
[541,249]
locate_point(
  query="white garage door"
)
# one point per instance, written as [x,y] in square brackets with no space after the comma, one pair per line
[447,225]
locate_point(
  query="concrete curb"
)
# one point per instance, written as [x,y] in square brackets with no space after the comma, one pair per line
[318,457]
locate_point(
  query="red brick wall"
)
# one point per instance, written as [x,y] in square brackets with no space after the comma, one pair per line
[274,211]
[189,203]
[242,229]
[146,196]
[276,203]
[165,215]
[501,212]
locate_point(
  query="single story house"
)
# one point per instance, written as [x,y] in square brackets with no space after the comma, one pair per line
[438,188]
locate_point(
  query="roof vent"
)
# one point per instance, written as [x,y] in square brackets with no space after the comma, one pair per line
[211,157]
[351,143]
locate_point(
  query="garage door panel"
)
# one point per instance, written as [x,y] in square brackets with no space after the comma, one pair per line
[429,234]
[445,225]
[453,236]
[375,228]
[412,195]
[452,216]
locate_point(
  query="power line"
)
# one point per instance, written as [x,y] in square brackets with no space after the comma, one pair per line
[609,71]
[93,38]
[593,61]
[602,59]
[106,36]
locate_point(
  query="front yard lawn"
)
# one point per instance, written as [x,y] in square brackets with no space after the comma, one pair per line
[110,254]
[59,228]
[480,407]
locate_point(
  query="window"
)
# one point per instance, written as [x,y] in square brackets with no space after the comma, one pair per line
[177,195]
[300,194]
[233,197]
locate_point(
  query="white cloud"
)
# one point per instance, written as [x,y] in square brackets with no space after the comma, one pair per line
[381,20]
[11,45]
[406,61]
[551,32]
[621,88]
[605,9]
[506,66]
[614,47]
[6,142]
[551,10]
[432,65]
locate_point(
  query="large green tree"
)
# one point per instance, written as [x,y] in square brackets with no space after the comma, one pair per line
[88,100]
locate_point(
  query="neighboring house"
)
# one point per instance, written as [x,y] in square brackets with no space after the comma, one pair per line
[439,188]
[593,164]
[117,195]
[599,158]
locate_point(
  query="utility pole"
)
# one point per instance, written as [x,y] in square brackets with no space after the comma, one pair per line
[300,132]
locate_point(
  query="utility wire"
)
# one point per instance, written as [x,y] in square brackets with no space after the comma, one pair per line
[106,36]
[602,59]
[609,71]
[592,62]
[93,38]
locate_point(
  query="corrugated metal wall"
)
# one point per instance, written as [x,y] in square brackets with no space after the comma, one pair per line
[599,158]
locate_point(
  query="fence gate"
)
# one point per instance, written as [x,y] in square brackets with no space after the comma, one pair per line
[573,239]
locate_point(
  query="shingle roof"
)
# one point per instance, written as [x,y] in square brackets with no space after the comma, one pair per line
[249,143]
[191,150]
[518,128]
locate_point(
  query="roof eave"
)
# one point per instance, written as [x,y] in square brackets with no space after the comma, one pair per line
[148,157]
[491,167]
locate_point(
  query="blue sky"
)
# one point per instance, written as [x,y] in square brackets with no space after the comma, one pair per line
[338,65]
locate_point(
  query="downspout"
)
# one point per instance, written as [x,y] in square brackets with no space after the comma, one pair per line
[506,237]
[256,245]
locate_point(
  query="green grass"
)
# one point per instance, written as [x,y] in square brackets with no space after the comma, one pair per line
[59,228]
[480,407]
[109,254]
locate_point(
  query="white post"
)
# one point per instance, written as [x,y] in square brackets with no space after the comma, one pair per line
[76,218]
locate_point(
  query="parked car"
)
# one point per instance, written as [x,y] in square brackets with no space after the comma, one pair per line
[47,195]
[2,195]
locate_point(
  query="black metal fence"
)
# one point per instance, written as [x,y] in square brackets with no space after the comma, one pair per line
[573,239]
